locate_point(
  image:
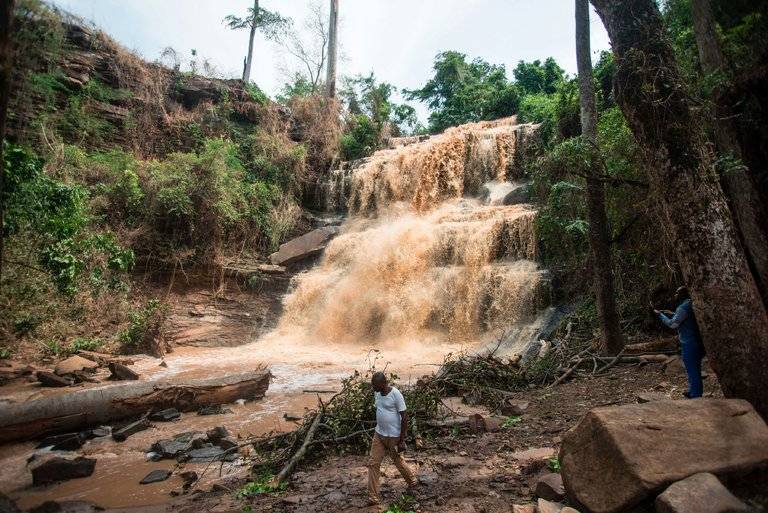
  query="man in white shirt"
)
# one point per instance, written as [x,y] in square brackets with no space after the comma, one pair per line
[389,436]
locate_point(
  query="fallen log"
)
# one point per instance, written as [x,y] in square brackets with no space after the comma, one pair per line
[288,468]
[83,408]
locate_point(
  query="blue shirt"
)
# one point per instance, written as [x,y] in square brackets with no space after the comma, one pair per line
[685,323]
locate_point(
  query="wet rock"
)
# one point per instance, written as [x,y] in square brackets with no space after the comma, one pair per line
[647,397]
[163,364]
[169,448]
[514,407]
[7,505]
[518,195]
[99,432]
[227,443]
[301,248]
[217,433]
[66,507]
[524,508]
[65,442]
[545,506]
[166,415]
[550,487]
[121,372]
[49,379]
[215,409]
[131,429]
[208,454]
[61,469]
[618,456]
[189,477]
[75,364]
[156,476]
[700,493]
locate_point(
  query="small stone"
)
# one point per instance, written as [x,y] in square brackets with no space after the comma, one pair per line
[121,372]
[61,469]
[163,364]
[75,364]
[699,493]
[514,407]
[550,487]
[217,433]
[65,442]
[49,379]
[156,476]
[166,415]
[545,506]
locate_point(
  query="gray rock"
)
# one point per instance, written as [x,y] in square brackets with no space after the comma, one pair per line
[550,487]
[121,372]
[49,379]
[61,469]
[215,409]
[518,195]
[75,364]
[156,476]
[700,493]
[166,415]
[514,407]
[300,248]
[208,454]
[65,442]
[169,448]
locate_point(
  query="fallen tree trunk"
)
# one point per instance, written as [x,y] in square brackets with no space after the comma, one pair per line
[288,468]
[80,409]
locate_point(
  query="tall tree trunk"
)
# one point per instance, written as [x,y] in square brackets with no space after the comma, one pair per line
[744,198]
[681,173]
[330,80]
[599,237]
[249,59]
[6,20]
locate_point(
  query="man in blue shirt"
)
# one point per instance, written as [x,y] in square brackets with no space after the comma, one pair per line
[684,321]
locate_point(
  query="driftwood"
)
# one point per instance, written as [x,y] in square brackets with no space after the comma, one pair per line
[82,408]
[298,455]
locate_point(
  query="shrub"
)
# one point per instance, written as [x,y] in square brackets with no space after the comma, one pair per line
[361,140]
[84,344]
[144,326]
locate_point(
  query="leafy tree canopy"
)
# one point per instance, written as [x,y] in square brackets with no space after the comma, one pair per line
[535,77]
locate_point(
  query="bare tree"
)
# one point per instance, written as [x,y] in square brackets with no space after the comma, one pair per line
[744,198]
[681,172]
[599,236]
[6,59]
[271,24]
[309,46]
[333,24]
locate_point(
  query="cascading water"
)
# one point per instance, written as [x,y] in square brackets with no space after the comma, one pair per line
[421,256]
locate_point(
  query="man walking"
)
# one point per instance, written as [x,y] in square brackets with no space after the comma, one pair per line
[692,347]
[389,436]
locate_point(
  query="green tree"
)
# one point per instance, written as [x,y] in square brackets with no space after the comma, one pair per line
[535,77]
[269,23]
[463,92]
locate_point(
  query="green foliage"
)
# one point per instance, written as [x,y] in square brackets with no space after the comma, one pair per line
[537,78]
[553,464]
[299,86]
[85,344]
[405,504]
[256,94]
[25,323]
[511,422]
[462,92]
[361,140]
[262,485]
[5,353]
[145,324]
[53,347]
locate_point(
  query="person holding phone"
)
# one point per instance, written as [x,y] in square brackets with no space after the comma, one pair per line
[684,321]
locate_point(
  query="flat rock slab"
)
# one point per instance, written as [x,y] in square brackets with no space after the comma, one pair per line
[75,364]
[620,455]
[167,415]
[208,454]
[303,247]
[539,453]
[61,469]
[49,379]
[65,442]
[550,487]
[545,506]
[156,476]
[700,493]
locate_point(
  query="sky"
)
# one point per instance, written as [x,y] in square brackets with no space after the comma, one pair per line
[396,39]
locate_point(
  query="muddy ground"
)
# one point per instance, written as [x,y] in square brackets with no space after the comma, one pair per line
[461,472]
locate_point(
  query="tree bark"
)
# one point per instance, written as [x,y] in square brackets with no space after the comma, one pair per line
[76,410]
[330,80]
[599,236]
[6,59]
[249,59]
[744,198]
[682,177]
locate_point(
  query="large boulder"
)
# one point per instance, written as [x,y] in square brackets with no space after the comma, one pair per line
[620,455]
[700,493]
[75,364]
[300,248]
[62,469]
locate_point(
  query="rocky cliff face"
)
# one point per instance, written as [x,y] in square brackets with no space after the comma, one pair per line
[74,83]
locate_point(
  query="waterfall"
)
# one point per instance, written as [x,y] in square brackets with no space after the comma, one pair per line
[424,254]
